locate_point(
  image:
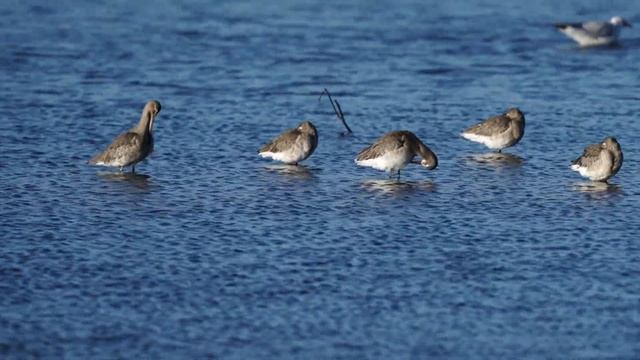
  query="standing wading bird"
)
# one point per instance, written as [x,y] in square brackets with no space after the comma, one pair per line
[293,145]
[132,146]
[394,151]
[599,162]
[594,33]
[498,132]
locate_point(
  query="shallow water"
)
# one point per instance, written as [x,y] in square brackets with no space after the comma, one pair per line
[212,252]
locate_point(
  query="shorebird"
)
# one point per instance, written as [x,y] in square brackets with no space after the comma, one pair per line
[594,33]
[394,151]
[293,145]
[498,132]
[599,162]
[132,146]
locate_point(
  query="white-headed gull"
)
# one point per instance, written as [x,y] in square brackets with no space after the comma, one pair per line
[594,33]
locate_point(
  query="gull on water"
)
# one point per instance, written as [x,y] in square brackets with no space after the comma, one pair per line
[599,162]
[293,145]
[498,132]
[133,146]
[594,33]
[394,151]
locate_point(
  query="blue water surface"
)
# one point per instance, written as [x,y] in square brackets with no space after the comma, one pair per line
[213,252]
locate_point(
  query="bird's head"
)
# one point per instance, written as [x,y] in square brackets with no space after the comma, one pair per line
[153,108]
[611,143]
[514,114]
[618,21]
[307,127]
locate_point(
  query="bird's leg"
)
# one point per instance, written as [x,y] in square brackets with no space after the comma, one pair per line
[121,168]
[133,169]
[398,177]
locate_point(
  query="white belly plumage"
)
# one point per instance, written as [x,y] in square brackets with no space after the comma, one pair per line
[597,174]
[586,40]
[120,162]
[499,141]
[597,171]
[389,161]
[297,152]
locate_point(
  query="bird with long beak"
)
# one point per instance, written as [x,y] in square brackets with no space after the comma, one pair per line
[394,151]
[133,146]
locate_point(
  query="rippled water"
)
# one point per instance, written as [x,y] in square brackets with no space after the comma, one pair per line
[213,252]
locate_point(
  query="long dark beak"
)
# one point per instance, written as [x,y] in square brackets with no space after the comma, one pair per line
[626,23]
[153,115]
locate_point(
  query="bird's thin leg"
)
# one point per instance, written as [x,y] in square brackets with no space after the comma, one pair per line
[133,169]
[398,178]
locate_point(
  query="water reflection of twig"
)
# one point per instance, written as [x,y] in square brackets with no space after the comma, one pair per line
[138,180]
[392,186]
[495,160]
[293,171]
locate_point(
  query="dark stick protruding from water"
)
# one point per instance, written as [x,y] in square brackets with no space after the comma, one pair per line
[337,109]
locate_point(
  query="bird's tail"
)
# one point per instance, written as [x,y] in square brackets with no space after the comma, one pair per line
[95,160]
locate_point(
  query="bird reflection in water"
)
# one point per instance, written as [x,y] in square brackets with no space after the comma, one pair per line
[392,186]
[292,171]
[140,181]
[597,189]
[495,160]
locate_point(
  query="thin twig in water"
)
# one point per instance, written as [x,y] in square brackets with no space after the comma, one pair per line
[336,108]
[344,122]
[330,100]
